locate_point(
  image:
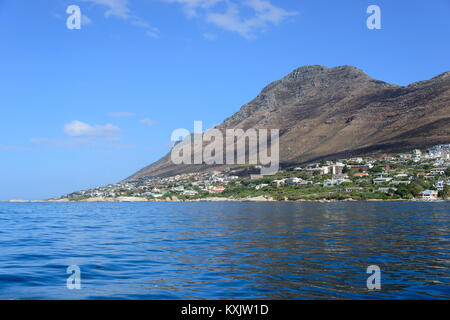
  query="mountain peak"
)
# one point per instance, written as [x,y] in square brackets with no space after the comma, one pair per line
[318,76]
[325,113]
[318,69]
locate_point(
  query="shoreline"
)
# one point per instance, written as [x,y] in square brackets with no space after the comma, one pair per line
[213,199]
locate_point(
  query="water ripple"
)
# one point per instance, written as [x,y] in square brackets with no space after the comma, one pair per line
[225,250]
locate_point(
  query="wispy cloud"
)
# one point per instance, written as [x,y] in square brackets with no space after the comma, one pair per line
[117,8]
[149,29]
[148,122]
[5,148]
[121,114]
[265,14]
[62,143]
[232,14]
[120,9]
[81,129]
[71,143]
[191,7]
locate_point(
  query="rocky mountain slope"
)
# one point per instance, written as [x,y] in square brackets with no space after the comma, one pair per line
[339,112]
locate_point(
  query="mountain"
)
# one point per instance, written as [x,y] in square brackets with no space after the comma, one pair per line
[325,113]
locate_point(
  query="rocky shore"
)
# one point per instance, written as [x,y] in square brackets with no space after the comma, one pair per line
[212,199]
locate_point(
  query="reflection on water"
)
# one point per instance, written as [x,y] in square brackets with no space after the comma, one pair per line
[225,250]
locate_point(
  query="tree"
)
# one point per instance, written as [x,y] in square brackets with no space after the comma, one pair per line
[345,170]
[376,169]
[415,189]
[403,191]
[444,193]
[447,172]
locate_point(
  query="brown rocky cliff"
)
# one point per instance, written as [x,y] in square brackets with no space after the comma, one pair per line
[339,112]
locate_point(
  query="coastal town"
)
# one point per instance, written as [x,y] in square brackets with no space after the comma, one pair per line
[422,175]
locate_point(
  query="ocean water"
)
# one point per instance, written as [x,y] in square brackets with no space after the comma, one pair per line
[225,250]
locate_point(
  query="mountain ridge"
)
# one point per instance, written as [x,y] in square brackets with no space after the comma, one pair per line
[336,112]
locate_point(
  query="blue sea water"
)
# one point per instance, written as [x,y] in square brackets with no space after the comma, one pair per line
[225,250]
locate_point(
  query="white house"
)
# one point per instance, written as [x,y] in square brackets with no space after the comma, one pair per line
[386,190]
[429,194]
[438,171]
[190,192]
[381,180]
[334,182]
[400,182]
[441,183]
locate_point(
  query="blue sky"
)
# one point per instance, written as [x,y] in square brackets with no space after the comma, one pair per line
[88,107]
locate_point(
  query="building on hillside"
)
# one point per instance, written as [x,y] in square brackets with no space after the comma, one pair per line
[334,182]
[439,185]
[278,182]
[429,194]
[360,174]
[378,174]
[217,189]
[352,189]
[421,174]
[335,170]
[190,192]
[260,186]
[381,180]
[293,180]
[439,171]
[386,190]
[359,168]
[396,183]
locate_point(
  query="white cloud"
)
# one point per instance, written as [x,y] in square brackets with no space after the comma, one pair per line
[80,129]
[234,19]
[191,6]
[265,14]
[148,122]
[120,9]
[149,30]
[121,114]
[81,134]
